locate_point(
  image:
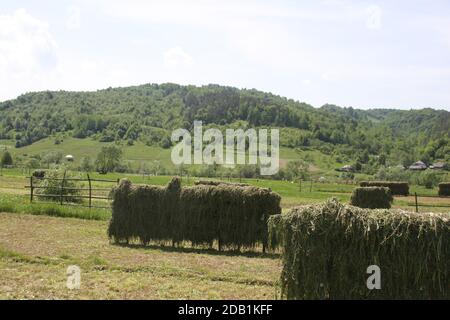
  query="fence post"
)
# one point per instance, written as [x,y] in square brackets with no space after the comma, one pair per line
[62,186]
[300,185]
[417,205]
[311,185]
[31,189]
[90,191]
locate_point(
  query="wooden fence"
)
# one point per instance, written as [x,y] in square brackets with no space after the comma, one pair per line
[83,200]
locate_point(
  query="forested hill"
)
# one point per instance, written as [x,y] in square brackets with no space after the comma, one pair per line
[149,113]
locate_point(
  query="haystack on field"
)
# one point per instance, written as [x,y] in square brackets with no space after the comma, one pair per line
[327,249]
[234,216]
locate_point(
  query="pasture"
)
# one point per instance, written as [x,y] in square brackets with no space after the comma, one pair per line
[39,241]
[13,182]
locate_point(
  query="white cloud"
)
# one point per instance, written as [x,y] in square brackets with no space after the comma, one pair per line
[176,58]
[26,44]
[74,20]
[373,17]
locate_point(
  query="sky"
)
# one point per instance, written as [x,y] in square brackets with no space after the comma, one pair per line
[364,54]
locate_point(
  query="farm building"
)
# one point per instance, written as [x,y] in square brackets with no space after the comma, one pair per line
[439,166]
[419,165]
[347,168]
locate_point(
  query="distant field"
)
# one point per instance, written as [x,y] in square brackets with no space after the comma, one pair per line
[13,182]
[88,147]
[139,152]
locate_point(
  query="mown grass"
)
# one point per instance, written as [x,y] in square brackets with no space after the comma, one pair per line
[35,252]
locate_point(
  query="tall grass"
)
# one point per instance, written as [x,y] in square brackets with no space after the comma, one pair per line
[21,204]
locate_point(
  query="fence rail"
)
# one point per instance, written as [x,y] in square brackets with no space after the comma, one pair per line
[61,197]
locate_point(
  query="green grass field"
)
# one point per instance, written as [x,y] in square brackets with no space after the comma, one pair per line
[14,193]
[139,152]
[38,241]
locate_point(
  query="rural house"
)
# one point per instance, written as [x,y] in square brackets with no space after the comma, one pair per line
[347,168]
[419,165]
[439,166]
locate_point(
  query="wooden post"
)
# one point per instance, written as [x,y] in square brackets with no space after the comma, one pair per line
[417,205]
[310,187]
[90,191]
[31,188]
[300,185]
[62,190]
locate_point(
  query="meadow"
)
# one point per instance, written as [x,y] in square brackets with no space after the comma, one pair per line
[139,153]
[38,241]
[14,197]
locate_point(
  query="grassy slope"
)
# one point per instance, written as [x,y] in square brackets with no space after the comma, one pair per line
[36,251]
[88,147]
[321,164]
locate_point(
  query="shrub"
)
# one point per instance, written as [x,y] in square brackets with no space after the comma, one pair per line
[39,174]
[108,158]
[6,159]
[327,249]
[428,179]
[397,188]
[372,197]
[444,189]
[393,174]
[235,216]
[52,187]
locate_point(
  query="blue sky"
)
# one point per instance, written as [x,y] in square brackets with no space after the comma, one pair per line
[365,54]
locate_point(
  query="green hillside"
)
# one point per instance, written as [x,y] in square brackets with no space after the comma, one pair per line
[139,153]
[142,118]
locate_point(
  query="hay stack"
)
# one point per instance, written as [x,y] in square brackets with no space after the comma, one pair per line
[235,216]
[397,188]
[327,249]
[372,197]
[444,189]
